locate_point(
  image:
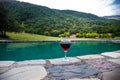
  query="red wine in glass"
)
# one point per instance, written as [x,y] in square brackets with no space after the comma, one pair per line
[65,44]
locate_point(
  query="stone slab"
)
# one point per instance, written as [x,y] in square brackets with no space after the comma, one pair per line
[6,63]
[111,54]
[72,71]
[112,75]
[31,62]
[90,57]
[60,61]
[85,79]
[25,73]
[2,70]
[103,64]
[117,61]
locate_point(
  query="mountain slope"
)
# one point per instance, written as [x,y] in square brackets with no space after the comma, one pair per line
[82,15]
[43,20]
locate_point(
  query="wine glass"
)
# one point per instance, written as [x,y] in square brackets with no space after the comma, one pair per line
[65,44]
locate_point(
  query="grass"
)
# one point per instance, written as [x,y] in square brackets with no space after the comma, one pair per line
[28,36]
[35,37]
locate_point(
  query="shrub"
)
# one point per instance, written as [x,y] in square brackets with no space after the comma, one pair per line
[66,34]
[105,35]
[79,35]
[92,35]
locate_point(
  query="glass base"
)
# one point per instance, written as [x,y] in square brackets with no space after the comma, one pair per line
[65,59]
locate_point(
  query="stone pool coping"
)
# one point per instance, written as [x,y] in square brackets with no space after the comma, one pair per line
[29,41]
[106,64]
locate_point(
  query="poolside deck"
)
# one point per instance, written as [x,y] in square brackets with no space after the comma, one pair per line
[90,67]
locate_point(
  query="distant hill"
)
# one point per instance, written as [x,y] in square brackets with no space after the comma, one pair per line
[117,17]
[82,15]
[51,22]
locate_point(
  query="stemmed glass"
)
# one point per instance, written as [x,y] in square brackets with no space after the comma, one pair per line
[65,44]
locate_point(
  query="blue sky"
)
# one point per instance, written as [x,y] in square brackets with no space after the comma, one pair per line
[97,7]
[116,2]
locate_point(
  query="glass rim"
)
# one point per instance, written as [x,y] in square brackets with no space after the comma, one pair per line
[65,41]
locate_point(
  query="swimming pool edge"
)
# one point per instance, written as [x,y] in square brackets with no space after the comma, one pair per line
[30,41]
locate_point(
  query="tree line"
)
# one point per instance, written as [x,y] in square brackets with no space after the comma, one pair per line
[24,17]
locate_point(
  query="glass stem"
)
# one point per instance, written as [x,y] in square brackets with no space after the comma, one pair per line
[65,54]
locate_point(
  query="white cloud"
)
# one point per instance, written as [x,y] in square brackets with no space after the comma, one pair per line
[97,7]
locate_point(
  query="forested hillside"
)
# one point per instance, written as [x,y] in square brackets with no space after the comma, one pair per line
[30,18]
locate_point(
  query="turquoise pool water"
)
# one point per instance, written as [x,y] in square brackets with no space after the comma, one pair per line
[49,50]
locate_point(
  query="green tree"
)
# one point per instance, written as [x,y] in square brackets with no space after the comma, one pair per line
[13,25]
[92,35]
[105,35]
[3,20]
[7,21]
[67,34]
[61,35]
[46,33]
[55,32]
[79,35]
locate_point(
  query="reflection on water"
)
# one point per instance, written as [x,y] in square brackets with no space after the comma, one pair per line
[48,50]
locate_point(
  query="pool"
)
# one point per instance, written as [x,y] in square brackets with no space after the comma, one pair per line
[50,50]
